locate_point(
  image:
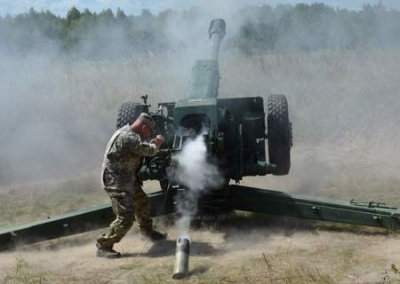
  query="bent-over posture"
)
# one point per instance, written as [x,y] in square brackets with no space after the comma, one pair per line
[119,179]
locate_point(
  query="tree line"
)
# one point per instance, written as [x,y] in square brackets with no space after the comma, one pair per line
[262,29]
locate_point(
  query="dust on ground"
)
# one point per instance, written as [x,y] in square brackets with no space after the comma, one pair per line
[246,248]
[251,254]
[347,99]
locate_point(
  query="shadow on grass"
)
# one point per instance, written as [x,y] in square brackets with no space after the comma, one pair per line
[198,270]
[235,223]
[167,248]
[289,226]
[77,240]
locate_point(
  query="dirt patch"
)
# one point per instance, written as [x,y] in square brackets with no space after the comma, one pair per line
[231,254]
[344,108]
[246,248]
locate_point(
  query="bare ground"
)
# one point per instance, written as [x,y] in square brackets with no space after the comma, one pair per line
[344,108]
[247,248]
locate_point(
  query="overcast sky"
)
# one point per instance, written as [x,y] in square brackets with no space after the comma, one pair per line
[60,7]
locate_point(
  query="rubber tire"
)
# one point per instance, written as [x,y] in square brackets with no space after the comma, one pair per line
[279,134]
[128,113]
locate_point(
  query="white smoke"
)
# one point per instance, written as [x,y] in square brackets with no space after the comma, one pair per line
[197,175]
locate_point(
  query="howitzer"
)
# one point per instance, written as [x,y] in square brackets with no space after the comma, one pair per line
[236,131]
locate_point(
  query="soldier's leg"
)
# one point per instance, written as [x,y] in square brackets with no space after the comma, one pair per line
[123,208]
[141,205]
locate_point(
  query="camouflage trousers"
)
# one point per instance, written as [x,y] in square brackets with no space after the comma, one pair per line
[127,207]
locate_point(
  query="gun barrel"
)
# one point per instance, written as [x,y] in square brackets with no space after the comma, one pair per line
[216,33]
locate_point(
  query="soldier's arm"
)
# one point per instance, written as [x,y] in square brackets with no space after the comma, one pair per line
[146,149]
[135,146]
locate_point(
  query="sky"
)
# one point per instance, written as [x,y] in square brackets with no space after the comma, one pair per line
[134,7]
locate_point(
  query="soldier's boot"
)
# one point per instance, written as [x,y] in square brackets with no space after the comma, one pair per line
[154,235]
[107,252]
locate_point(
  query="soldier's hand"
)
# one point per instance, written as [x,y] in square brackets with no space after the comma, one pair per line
[160,138]
[158,141]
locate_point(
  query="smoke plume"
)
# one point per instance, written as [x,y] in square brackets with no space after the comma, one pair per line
[197,175]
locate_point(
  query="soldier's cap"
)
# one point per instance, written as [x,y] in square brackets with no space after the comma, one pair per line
[148,120]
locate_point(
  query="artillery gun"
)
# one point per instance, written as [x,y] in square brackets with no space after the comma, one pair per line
[235,131]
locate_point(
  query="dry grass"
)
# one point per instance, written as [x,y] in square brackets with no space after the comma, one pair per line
[349,98]
[344,106]
[29,202]
[246,249]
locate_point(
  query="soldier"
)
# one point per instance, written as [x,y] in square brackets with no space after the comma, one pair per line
[129,202]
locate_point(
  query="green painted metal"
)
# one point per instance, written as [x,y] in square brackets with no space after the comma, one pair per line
[247,157]
[235,131]
[239,198]
[205,76]
[72,223]
[186,109]
[307,207]
[204,82]
[216,33]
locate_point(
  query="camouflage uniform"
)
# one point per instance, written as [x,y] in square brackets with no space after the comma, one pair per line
[129,202]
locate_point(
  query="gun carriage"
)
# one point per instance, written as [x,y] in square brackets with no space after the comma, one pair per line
[236,132]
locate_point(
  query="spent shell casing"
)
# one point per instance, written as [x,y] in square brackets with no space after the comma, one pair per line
[181,258]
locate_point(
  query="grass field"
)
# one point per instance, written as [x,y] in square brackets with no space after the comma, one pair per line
[344,108]
[247,248]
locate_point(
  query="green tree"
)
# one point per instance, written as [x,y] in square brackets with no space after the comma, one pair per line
[87,13]
[73,15]
[70,36]
[106,16]
[121,15]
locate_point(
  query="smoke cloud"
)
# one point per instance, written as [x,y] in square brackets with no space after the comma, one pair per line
[197,176]
[58,110]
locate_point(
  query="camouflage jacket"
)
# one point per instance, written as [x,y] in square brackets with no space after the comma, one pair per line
[122,159]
